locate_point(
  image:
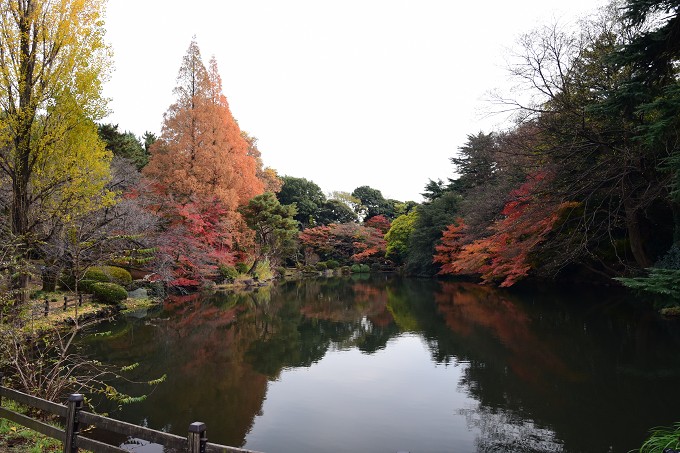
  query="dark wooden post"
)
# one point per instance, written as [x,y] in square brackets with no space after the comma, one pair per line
[197,439]
[65,302]
[47,307]
[75,403]
[80,299]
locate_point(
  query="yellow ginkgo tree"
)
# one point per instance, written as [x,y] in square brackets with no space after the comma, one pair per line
[53,60]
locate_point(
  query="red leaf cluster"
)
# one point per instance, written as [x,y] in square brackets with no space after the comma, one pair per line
[504,256]
[345,242]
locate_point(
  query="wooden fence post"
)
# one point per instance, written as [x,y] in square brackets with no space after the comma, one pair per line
[196,438]
[65,302]
[47,307]
[80,299]
[75,403]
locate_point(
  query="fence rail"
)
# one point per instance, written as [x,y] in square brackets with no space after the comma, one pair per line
[45,306]
[77,419]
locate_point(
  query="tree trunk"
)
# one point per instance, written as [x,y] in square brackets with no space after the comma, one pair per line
[50,275]
[634,234]
[251,271]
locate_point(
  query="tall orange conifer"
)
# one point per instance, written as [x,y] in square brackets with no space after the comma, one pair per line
[200,166]
[201,153]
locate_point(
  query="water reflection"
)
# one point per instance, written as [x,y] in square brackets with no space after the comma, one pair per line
[390,364]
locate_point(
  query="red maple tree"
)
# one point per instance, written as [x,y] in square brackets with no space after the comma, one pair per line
[504,256]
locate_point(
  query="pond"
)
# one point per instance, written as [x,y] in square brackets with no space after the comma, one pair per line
[386,364]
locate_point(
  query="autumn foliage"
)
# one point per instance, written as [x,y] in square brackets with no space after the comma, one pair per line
[504,256]
[346,242]
[202,169]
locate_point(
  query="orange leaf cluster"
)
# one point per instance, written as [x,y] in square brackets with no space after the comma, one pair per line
[505,255]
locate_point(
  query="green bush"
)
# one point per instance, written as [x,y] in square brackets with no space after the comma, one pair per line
[242,268]
[110,274]
[309,269]
[108,293]
[228,273]
[360,268]
[321,266]
[332,264]
[85,286]
[263,271]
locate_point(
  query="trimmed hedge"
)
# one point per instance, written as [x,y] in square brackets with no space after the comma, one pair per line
[360,268]
[110,274]
[85,285]
[108,293]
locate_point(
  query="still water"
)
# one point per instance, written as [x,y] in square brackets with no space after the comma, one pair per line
[384,364]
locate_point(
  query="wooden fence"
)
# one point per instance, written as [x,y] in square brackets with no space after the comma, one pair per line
[44,307]
[76,419]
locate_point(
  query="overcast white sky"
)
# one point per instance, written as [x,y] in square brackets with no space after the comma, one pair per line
[345,93]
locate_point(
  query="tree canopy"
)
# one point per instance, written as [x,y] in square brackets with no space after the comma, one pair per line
[53,60]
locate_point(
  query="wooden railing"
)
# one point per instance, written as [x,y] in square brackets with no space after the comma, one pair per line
[44,307]
[76,419]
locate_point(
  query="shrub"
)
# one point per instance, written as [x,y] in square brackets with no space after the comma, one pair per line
[263,271]
[332,264]
[108,293]
[346,270]
[228,273]
[360,268]
[309,269]
[281,271]
[242,268]
[110,274]
[85,286]
[321,266]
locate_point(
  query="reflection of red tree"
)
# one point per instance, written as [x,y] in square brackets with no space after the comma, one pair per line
[210,342]
[467,307]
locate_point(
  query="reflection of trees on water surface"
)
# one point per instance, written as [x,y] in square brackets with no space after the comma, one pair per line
[565,372]
[585,369]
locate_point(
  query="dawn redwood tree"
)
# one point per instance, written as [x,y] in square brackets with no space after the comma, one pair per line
[201,152]
[202,169]
[269,177]
[52,60]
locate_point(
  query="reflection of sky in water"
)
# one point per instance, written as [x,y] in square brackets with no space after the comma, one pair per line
[287,372]
[357,402]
